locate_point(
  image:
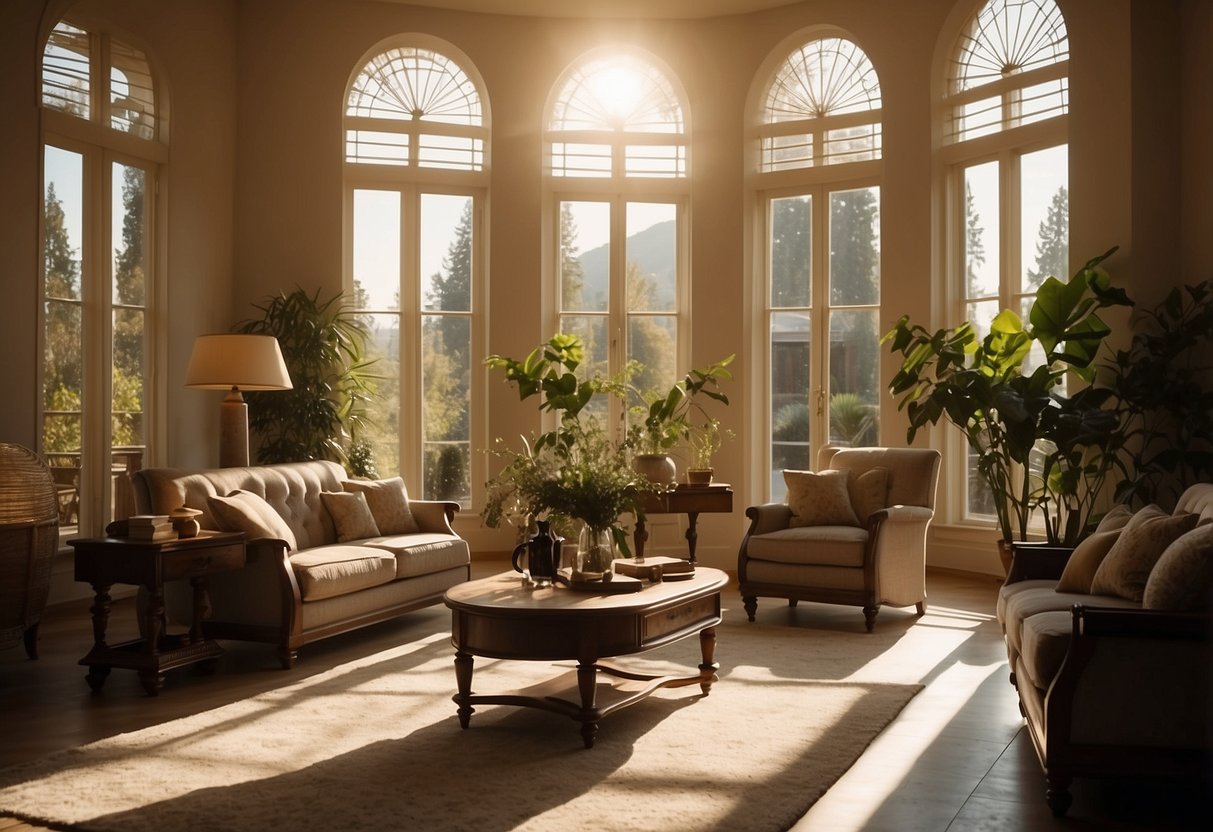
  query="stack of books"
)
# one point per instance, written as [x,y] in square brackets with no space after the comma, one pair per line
[151,527]
[656,568]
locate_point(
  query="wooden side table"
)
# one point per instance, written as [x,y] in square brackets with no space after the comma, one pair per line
[690,500]
[103,562]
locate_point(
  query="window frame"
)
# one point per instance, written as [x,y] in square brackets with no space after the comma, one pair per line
[101,146]
[411,182]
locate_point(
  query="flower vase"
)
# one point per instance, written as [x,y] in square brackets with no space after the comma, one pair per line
[595,554]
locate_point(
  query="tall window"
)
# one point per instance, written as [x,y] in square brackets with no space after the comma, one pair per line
[101,157]
[819,146]
[1008,174]
[616,136]
[415,172]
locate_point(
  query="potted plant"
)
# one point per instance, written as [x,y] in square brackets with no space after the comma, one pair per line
[323,344]
[704,440]
[662,420]
[575,474]
[1037,448]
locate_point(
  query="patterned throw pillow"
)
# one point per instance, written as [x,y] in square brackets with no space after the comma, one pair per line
[244,511]
[869,492]
[351,515]
[1116,517]
[820,499]
[1147,535]
[1085,560]
[389,504]
[1183,577]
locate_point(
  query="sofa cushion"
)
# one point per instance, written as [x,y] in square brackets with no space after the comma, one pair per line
[1183,577]
[1009,591]
[1085,560]
[328,571]
[820,499]
[423,553]
[824,545]
[869,492]
[1127,566]
[351,515]
[1023,605]
[1114,518]
[1044,642]
[244,511]
[389,503]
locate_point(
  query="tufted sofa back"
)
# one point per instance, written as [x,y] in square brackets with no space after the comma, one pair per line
[913,472]
[1197,499]
[293,489]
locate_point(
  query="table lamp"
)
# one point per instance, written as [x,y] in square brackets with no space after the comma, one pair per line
[235,363]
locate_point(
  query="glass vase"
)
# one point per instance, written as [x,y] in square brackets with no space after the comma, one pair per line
[595,554]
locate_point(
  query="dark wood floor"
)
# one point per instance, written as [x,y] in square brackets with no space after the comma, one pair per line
[957,758]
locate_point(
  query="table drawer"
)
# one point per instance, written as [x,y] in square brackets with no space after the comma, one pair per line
[695,614]
[190,563]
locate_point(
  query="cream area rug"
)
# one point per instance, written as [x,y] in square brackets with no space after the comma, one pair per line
[375,744]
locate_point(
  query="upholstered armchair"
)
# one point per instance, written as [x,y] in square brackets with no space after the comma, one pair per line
[852,533]
[29,538]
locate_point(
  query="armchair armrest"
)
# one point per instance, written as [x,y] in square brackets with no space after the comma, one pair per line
[1036,561]
[902,514]
[434,516]
[768,517]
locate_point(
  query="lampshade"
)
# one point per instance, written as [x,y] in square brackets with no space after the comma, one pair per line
[247,362]
[232,363]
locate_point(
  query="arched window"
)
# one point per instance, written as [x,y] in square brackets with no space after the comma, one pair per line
[416,170]
[822,108]
[818,153]
[1006,165]
[1010,68]
[415,107]
[101,157]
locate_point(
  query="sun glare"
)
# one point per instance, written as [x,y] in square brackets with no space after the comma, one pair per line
[618,89]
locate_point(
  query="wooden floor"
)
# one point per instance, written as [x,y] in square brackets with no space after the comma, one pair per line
[957,758]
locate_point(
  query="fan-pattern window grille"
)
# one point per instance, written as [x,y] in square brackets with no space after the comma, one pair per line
[415,107]
[1011,68]
[68,76]
[822,108]
[618,115]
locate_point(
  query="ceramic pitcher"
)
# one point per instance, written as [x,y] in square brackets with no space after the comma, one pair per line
[542,555]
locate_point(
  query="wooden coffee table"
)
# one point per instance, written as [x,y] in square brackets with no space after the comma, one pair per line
[499,618]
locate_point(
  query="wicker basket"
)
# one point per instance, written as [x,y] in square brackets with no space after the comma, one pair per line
[29,538]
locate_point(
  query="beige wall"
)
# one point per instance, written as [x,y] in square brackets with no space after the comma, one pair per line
[255,189]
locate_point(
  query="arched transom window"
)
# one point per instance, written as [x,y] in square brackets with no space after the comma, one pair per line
[411,106]
[1010,68]
[822,108]
[617,114]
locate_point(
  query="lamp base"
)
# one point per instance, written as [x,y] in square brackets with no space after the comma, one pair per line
[233,431]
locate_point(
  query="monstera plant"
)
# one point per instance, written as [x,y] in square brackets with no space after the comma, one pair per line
[1038,447]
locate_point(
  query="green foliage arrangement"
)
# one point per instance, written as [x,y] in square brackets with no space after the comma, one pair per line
[323,344]
[575,472]
[666,419]
[1014,412]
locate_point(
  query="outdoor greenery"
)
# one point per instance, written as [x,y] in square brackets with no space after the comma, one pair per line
[323,344]
[1037,448]
[665,418]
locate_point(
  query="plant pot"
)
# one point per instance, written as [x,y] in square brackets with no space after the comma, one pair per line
[1006,554]
[699,476]
[656,468]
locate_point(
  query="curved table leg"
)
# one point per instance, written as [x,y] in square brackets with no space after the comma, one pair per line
[463,677]
[587,686]
[709,666]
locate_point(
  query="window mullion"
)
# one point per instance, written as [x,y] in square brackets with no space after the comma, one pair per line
[412,417]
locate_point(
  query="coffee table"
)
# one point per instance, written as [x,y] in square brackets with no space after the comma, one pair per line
[500,618]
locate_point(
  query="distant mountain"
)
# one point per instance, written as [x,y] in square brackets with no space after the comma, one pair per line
[652,249]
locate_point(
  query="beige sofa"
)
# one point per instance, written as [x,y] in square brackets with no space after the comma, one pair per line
[1116,684]
[290,595]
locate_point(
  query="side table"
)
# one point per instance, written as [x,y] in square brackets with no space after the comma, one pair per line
[103,562]
[690,500]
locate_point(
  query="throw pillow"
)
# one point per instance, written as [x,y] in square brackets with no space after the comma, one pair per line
[1147,535]
[820,499]
[244,511]
[351,515]
[1085,560]
[869,492]
[389,504]
[1116,517]
[1183,577]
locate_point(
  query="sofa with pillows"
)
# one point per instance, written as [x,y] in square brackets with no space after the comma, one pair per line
[325,554]
[1109,646]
